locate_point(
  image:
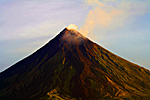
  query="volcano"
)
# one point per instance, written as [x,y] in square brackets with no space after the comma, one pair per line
[72,67]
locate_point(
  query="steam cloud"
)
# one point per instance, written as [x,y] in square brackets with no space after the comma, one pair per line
[72,26]
[99,15]
[108,14]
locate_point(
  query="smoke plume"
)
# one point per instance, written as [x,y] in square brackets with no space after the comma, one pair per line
[72,26]
[110,14]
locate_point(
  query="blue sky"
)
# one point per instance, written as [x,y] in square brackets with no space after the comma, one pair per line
[121,26]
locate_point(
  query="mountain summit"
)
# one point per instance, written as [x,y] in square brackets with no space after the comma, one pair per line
[71,36]
[71,66]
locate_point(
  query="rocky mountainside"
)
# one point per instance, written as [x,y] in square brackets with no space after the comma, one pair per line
[71,67]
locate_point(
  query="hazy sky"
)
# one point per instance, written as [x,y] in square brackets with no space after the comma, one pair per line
[121,26]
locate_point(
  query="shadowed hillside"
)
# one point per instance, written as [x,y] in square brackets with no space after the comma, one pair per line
[71,66]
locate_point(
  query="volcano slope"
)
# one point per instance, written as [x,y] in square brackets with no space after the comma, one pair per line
[71,66]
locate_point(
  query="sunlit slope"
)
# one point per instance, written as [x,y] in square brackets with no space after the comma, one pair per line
[71,66]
